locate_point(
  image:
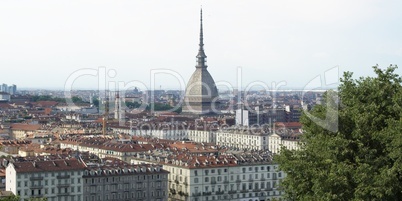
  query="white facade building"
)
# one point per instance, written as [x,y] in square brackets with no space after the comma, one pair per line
[202,136]
[276,141]
[242,139]
[248,176]
[4,97]
[58,180]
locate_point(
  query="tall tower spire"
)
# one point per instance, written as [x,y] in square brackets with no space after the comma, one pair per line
[201,96]
[201,57]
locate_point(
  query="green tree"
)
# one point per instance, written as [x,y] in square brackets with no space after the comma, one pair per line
[10,198]
[159,107]
[362,159]
[95,101]
[132,105]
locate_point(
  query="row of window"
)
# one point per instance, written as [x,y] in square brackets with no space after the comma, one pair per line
[51,181]
[47,174]
[47,191]
[124,178]
[125,195]
[234,135]
[250,177]
[238,196]
[262,186]
[115,187]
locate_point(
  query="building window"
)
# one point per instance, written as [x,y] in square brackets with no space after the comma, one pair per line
[195,180]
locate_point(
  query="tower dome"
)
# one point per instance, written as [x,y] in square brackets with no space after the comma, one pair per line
[201,96]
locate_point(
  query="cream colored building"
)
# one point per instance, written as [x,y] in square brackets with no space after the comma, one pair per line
[276,141]
[242,139]
[202,136]
[58,180]
[246,176]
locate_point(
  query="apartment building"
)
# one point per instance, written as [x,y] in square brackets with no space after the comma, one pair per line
[242,139]
[229,176]
[289,141]
[118,181]
[57,180]
[202,135]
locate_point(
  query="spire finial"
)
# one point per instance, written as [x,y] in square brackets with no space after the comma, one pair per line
[201,57]
[201,31]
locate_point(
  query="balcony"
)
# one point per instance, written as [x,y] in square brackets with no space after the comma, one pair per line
[63,185]
[232,192]
[226,181]
[196,194]
[173,191]
[181,193]
[207,193]
[256,190]
[219,192]
[63,177]
[63,194]
[36,178]
[244,191]
[238,180]
[37,196]
[36,186]
[262,179]
[213,182]
[250,180]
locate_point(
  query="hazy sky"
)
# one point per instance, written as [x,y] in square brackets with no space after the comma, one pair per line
[43,42]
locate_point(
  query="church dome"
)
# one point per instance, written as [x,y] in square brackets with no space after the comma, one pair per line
[201,94]
[201,86]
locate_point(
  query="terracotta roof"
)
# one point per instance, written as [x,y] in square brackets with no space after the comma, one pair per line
[46,103]
[6,106]
[26,127]
[289,124]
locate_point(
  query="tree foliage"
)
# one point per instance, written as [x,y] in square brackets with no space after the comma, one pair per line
[10,198]
[75,99]
[362,160]
[17,198]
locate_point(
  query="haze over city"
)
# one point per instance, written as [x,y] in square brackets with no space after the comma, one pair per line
[44,42]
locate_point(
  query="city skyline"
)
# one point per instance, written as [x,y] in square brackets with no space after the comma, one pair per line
[288,42]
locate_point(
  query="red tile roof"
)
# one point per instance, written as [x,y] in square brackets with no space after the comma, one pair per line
[26,127]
